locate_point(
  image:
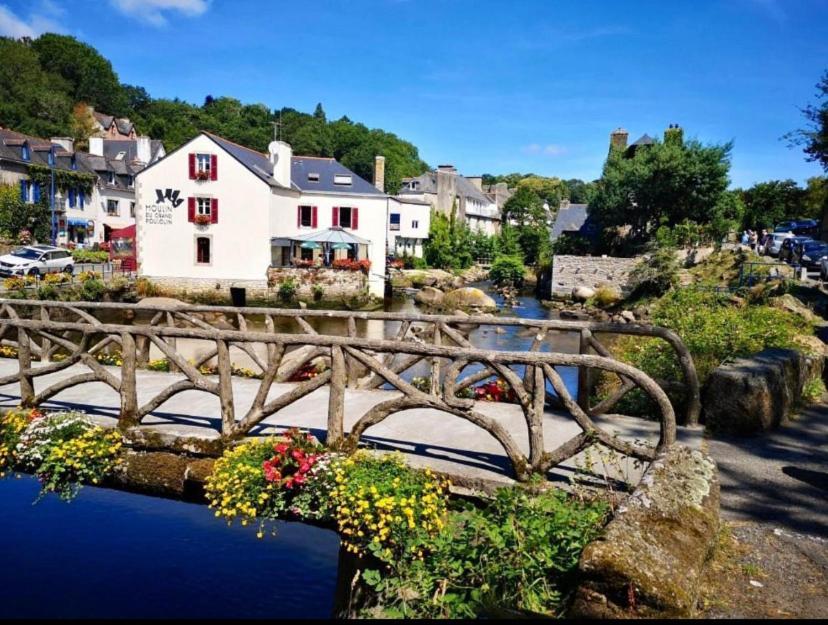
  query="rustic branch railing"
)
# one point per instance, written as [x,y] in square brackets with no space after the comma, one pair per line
[73,332]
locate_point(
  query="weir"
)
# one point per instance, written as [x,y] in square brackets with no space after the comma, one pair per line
[360,384]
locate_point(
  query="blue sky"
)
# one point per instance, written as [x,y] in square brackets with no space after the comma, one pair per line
[494,87]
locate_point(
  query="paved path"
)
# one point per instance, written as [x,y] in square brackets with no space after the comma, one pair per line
[780,477]
[428,437]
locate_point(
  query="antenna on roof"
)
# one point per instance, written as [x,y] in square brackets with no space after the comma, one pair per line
[277,128]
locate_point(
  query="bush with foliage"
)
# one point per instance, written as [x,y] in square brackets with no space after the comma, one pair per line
[92,290]
[656,274]
[287,290]
[517,552]
[448,246]
[507,271]
[65,450]
[90,256]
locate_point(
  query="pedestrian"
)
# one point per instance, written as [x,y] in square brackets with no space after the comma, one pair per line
[745,237]
[763,242]
[752,238]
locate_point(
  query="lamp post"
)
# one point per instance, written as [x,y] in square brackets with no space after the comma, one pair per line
[53,229]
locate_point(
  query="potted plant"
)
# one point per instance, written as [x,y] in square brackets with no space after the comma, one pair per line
[202,220]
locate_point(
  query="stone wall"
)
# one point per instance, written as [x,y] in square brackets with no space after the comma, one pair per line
[649,561]
[335,282]
[755,394]
[570,272]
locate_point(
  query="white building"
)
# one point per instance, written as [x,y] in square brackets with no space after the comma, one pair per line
[409,221]
[215,212]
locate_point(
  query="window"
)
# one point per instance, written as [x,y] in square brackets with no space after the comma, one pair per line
[306,254]
[313,177]
[120,156]
[306,216]
[130,181]
[132,209]
[111,177]
[51,158]
[203,250]
[415,224]
[203,205]
[345,217]
[344,179]
[112,208]
[24,152]
[203,163]
[395,221]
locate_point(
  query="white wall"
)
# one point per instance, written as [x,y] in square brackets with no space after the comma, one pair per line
[408,239]
[371,225]
[240,247]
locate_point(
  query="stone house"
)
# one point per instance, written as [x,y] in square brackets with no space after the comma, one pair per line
[444,189]
[214,212]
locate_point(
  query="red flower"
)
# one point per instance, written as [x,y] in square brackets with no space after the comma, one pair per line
[280,448]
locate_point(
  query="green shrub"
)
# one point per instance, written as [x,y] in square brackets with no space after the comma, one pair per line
[517,552]
[813,390]
[605,296]
[287,290]
[90,256]
[507,271]
[47,292]
[93,290]
[657,274]
[318,292]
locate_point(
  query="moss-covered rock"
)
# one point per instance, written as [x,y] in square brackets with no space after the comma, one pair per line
[649,560]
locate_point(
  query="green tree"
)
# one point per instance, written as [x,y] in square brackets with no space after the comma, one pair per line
[814,137]
[663,184]
[768,203]
[16,215]
[525,213]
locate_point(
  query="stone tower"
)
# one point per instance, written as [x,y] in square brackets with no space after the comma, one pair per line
[674,135]
[618,140]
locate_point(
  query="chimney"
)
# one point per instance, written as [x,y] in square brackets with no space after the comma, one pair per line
[280,154]
[67,143]
[618,139]
[379,172]
[143,152]
[447,168]
[477,181]
[674,135]
[96,146]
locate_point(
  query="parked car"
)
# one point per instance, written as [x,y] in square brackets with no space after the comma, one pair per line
[775,242]
[811,253]
[34,260]
[823,269]
[799,227]
[786,250]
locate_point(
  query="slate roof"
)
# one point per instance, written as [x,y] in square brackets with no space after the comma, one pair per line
[428,184]
[574,219]
[112,147]
[124,125]
[301,166]
[644,139]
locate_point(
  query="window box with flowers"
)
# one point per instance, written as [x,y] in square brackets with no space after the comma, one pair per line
[202,220]
[202,175]
[349,264]
[306,263]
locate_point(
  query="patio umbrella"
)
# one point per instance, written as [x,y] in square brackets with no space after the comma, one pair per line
[341,246]
[310,245]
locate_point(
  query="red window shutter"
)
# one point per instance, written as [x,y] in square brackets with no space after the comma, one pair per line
[213,167]
[191,201]
[354,218]
[298,216]
[192,166]
[214,211]
[314,220]
[335,216]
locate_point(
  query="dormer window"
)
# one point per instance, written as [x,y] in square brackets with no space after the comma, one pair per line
[343,179]
[111,177]
[120,156]
[313,177]
[73,163]
[130,181]
[51,158]
[24,152]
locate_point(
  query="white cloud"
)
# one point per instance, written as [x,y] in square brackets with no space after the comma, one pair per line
[12,25]
[153,11]
[551,149]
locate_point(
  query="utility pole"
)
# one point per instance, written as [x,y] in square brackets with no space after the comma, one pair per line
[53,230]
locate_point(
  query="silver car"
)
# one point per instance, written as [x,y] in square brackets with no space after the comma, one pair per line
[34,260]
[775,242]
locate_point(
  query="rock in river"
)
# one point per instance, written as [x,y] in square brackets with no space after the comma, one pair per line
[429,296]
[469,297]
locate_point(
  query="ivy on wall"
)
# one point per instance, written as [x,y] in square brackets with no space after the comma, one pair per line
[64,179]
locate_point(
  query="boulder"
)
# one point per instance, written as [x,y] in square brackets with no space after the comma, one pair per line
[755,394]
[790,304]
[628,316]
[469,297]
[162,302]
[429,296]
[582,293]
[649,560]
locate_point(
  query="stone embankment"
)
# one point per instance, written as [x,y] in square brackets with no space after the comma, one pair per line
[570,273]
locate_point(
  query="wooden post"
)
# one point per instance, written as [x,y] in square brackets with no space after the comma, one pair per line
[45,344]
[228,415]
[172,342]
[24,359]
[353,365]
[536,447]
[129,391]
[336,399]
[584,377]
[435,363]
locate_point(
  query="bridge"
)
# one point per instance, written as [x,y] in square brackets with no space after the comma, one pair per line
[347,377]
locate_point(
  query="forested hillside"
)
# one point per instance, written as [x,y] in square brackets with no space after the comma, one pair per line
[42,81]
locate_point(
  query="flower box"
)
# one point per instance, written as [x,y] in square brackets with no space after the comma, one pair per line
[202,220]
[202,175]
